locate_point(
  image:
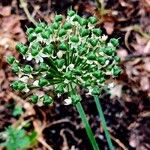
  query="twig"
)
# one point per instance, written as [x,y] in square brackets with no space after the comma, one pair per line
[72,134]
[138,29]
[65,143]
[133,56]
[119,143]
[24,6]
[58,122]
[44,143]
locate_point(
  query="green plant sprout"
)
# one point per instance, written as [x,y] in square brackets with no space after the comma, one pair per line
[17,139]
[69,53]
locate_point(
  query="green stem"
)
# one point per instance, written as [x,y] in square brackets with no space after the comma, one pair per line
[87,126]
[101,114]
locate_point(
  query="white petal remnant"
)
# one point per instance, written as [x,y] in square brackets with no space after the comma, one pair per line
[71,66]
[68,101]
[104,38]
[60,54]
[24,79]
[35,83]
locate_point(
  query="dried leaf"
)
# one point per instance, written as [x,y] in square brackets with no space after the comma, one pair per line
[122,53]
[5,11]
[145,83]
[109,26]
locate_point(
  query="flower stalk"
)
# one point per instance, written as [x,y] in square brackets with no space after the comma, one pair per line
[103,121]
[87,126]
[76,101]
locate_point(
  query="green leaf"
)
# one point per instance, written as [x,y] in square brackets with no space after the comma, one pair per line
[17,139]
[17,111]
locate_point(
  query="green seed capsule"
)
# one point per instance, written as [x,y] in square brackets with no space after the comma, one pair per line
[62,32]
[63,46]
[83,22]
[31,37]
[34,52]
[11,59]
[55,25]
[97,74]
[71,13]
[60,88]
[67,26]
[27,69]
[84,32]
[117,58]
[18,46]
[47,100]
[93,42]
[76,18]
[35,45]
[48,49]
[46,34]
[97,31]
[115,42]
[29,30]
[116,70]
[14,85]
[21,48]
[60,63]
[58,18]
[42,82]
[38,29]
[34,99]
[74,39]
[109,68]
[21,86]
[92,20]
[108,50]
[50,29]
[101,80]
[41,24]
[43,67]
[15,68]
[102,60]
[91,56]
